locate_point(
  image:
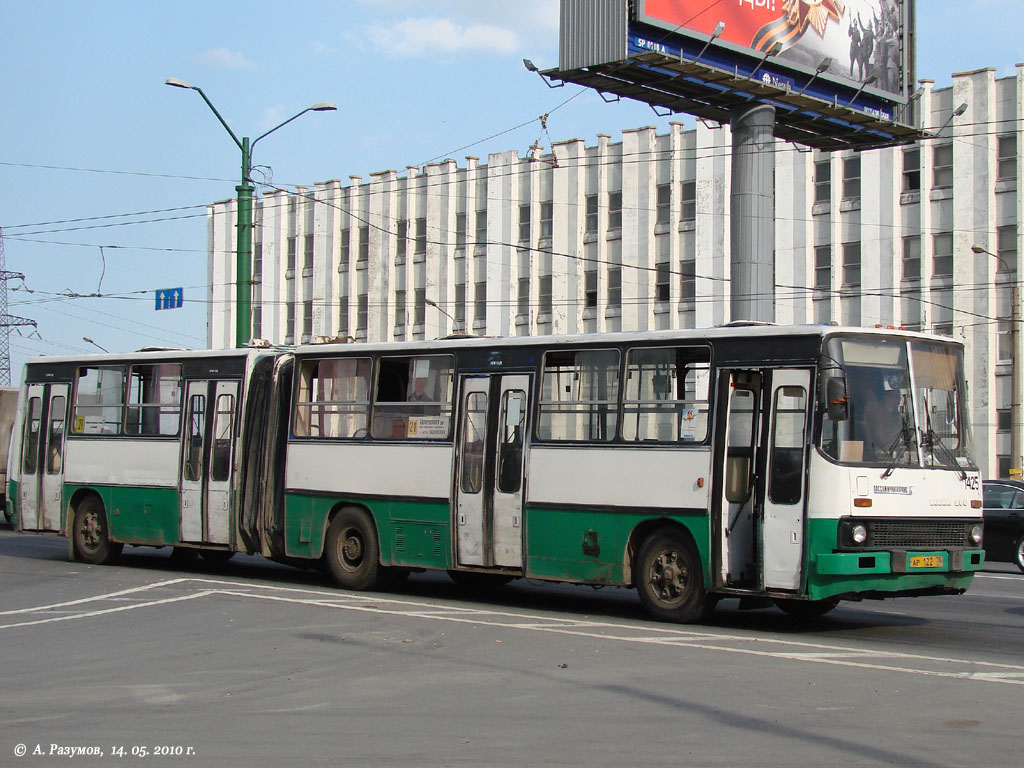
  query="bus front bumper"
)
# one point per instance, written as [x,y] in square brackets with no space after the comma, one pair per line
[899,562]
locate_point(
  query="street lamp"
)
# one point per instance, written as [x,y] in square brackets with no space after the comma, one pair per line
[243,251]
[1016,459]
[90,341]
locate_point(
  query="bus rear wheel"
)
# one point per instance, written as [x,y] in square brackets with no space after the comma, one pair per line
[91,537]
[1018,554]
[352,550]
[669,578]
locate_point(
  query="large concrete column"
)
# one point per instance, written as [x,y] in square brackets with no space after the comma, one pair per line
[752,214]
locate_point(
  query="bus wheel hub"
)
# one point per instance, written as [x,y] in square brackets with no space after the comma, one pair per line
[668,579]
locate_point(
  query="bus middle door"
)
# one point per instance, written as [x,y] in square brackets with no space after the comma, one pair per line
[42,457]
[489,477]
[207,460]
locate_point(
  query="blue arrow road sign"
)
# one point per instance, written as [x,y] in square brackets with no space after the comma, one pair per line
[169,298]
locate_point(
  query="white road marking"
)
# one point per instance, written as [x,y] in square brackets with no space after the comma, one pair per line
[750,645]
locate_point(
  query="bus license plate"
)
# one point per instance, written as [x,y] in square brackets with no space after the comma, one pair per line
[926,561]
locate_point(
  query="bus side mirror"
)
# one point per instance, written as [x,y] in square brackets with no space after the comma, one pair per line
[835,399]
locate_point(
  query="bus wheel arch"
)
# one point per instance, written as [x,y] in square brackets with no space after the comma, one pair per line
[668,574]
[89,530]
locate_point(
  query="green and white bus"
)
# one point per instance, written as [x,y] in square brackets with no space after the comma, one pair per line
[805,465]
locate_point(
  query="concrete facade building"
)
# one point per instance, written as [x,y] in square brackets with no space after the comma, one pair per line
[634,234]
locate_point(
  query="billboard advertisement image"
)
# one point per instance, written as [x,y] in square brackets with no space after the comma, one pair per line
[858,39]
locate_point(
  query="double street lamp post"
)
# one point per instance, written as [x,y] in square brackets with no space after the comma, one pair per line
[243,251]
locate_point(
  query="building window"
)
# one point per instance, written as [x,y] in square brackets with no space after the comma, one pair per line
[912,170]
[399,308]
[363,313]
[614,210]
[420,306]
[688,281]
[257,263]
[942,166]
[421,236]
[545,295]
[822,181]
[943,329]
[364,244]
[307,317]
[460,230]
[524,222]
[307,255]
[291,255]
[1006,157]
[851,265]
[1004,420]
[481,227]
[823,267]
[912,257]
[403,234]
[942,259]
[662,289]
[480,300]
[664,209]
[688,201]
[615,287]
[547,218]
[591,217]
[460,305]
[289,322]
[343,257]
[590,289]
[1006,249]
[523,305]
[851,177]
[343,316]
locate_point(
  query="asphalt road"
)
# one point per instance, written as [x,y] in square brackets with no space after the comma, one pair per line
[252,664]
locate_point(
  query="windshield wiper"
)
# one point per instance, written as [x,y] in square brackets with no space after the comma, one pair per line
[902,443]
[930,439]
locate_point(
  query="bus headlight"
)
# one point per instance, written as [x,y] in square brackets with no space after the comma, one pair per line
[859,533]
[975,534]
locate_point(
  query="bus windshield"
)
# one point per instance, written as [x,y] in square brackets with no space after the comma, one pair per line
[894,403]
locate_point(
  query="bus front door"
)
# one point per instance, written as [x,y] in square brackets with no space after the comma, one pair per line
[42,457]
[762,437]
[207,461]
[490,470]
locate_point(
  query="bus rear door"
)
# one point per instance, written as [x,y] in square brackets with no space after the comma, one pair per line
[207,460]
[42,457]
[490,470]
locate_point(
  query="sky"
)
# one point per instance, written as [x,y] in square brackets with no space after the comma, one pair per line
[105,171]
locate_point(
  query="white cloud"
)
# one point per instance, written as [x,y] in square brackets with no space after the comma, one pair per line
[222,57]
[423,36]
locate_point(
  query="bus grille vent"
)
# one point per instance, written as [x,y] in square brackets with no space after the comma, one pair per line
[437,542]
[918,533]
[399,538]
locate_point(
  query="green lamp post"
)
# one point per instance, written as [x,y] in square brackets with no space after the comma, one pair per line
[243,281]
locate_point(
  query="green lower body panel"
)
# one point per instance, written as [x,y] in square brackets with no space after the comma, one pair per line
[12,501]
[411,533]
[884,572]
[590,546]
[147,516]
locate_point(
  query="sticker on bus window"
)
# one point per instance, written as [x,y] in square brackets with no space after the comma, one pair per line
[428,428]
[688,424]
[79,424]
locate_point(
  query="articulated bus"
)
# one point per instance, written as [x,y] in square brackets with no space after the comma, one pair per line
[800,465]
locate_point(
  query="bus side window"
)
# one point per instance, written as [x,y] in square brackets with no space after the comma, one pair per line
[220,463]
[32,424]
[55,438]
[194,440]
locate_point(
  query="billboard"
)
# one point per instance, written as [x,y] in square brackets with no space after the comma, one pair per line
[859,45]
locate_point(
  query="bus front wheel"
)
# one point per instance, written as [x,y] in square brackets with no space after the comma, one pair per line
[352,550]
[669,578]
[91,537]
